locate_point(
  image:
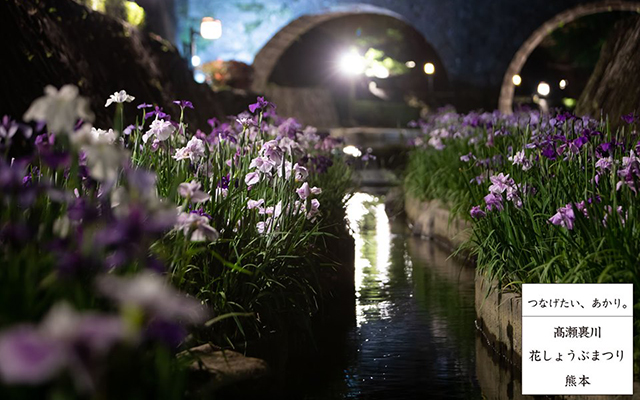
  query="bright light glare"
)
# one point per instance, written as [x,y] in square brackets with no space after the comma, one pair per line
[379,71]
[352,63]
[199,77]
[195,61]
[210,28]
[563,84]
[410,64]
[429,68]
[544,89]
[516,79]
[352,151]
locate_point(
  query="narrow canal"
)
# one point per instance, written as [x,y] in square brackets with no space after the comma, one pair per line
[414,334]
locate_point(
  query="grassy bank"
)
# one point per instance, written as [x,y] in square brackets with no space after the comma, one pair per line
[553,198]
[121,246]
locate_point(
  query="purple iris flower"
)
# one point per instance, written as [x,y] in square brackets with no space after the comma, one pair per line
[467,157]
[200,211]
[490,140]
[227,134]
[289,128]
[321,163]
[596,199]
[159,112]
[477,213]
[224,182]
[500,183]
[549,152]
[478,180]
[472,119]
[213,122]
[581,141]
[564,217]
[261,104]
[606,149]
[184,103]
[582,207]
[561,118]
[603,150]
[271,112]
[493,201]
[629,118]
[144,105]
[45,141]
[64,340]
[589,132]
[368,156]
[9,127]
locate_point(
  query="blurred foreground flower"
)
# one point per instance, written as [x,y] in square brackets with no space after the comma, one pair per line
[152,294]
[64,340]
[59,109]
[9,127]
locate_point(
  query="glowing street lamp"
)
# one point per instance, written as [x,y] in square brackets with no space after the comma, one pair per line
[352,63]
[210,29]
[410,64]
[199,77]
[516,79]
[563,84]
[544,89]
[429,68]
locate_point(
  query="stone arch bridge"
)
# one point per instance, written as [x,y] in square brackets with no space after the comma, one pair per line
[481,43]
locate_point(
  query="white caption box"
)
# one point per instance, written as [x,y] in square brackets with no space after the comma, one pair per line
[577,339]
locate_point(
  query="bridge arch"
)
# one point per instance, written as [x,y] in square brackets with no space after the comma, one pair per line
[270,54]
[507,90]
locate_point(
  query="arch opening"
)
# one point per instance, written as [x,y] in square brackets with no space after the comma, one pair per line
[508,88]
[324,52]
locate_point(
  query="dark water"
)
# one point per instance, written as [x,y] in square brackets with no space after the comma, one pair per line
[414,335]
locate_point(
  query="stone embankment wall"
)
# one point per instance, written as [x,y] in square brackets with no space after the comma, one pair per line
[499,314]
[432,219]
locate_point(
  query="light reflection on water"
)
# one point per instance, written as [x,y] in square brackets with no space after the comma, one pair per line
[372,250]
[414,335]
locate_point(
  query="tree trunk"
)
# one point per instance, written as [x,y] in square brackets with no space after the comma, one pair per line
[614,86]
